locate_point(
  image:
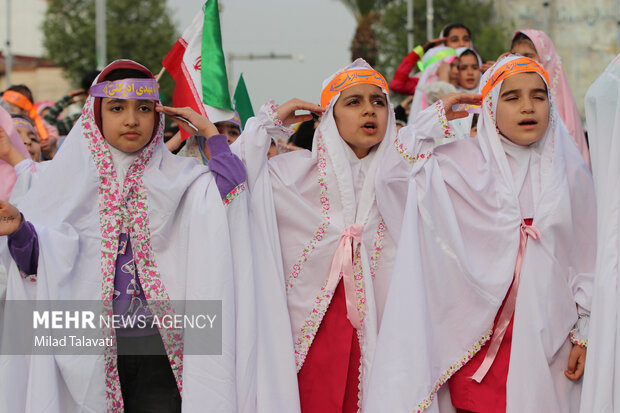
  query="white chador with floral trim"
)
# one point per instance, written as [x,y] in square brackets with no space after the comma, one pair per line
[461,234]
[319,198]
[182,246]
[601,393]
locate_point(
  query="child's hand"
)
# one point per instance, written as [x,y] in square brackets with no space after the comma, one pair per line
[10,219]
[205,127]
[78,95]
[487,65]
[286,112]
[460,98]
[8,152]
[433,43]
[576,363]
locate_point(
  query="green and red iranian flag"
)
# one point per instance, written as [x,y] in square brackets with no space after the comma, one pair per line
[197,64]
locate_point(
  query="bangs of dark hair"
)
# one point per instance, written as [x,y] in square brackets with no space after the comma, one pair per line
[522,38]
[448,29]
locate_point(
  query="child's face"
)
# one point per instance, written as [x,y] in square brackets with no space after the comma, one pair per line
[231,130]
[361,115]
[454,73]
[31,143]
[526,49]
[458,37]
[523,108]
[127,123]
[469,71]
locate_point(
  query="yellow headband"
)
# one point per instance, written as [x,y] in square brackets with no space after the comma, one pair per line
[516,66]
[348,78]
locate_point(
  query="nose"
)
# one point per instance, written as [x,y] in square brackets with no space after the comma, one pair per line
[369,108]
[528,106]
[131,117]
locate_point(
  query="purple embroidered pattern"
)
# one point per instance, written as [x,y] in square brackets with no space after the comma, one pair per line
[318,235]
[236,191]
[127,207]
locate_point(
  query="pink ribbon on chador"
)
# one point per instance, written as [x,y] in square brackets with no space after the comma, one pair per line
[342,263]
[509,305]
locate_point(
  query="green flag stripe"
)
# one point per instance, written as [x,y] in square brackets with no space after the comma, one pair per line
[243,105]
[212,64]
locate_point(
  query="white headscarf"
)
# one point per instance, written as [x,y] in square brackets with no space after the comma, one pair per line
[600,388]
[182,250]
[429,75]
[456,260]
[316,196]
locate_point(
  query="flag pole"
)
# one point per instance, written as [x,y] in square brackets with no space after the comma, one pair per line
[160,74]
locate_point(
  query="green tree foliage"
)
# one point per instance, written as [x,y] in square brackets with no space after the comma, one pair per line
[364,43]
[140,30]
[490,38]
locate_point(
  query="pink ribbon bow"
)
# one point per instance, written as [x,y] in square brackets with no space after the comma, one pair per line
[342,263]
[509,305]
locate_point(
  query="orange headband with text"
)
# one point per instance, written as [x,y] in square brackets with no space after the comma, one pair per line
[519,65]
[348,78]
[23,102]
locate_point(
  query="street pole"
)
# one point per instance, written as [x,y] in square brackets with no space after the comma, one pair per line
[410,42]
[430,16]
[100,34]
[9,54]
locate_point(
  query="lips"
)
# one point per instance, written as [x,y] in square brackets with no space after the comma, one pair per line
[528,123]
[370,127]
[131,135]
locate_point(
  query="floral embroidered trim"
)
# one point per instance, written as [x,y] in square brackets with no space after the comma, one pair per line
[378,247]
[576,339]
[126,208]
[451,370]
[236,191]
[403,151]
[360,395]
[28,277]
[448,132]
[271,107]
[360,292]
[318,235]
[311,326]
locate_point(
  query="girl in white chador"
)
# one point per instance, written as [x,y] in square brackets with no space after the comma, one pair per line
[336,251]
[600,387]
[495,259]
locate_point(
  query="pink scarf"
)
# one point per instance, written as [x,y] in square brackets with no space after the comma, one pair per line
[565,103]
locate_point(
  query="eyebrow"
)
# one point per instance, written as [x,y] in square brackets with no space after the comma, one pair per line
[116,101]
[537,90]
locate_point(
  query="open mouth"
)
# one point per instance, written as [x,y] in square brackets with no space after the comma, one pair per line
[370,127]
[528,123]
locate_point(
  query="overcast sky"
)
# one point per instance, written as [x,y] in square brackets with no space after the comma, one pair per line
[318,33]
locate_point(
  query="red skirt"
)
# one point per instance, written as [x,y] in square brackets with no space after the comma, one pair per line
[329,377]
[489,396]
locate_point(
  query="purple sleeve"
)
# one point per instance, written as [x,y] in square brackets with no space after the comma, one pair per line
[228,169]
[24,247]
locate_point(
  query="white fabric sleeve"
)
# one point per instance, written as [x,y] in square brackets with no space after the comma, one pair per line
[24,166]
[253,144]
